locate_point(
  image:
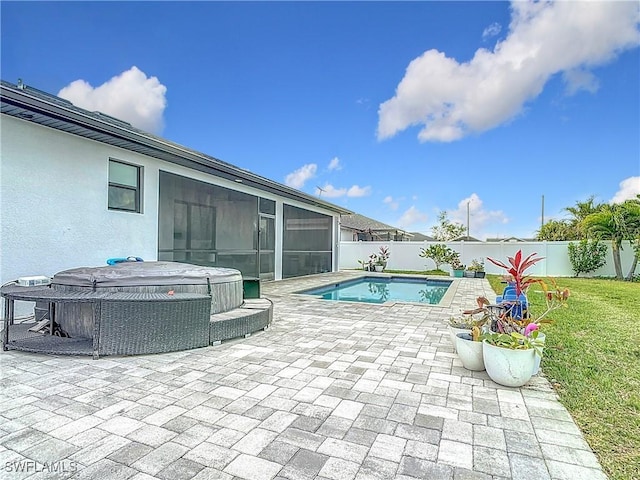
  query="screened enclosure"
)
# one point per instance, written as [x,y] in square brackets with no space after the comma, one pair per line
[307,238]
[206,224]
[210,225]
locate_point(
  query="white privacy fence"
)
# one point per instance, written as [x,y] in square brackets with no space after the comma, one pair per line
[405,256]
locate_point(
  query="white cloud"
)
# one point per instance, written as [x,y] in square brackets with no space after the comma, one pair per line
[393,204]
[480,219]
[334,164]
[579,79]
[412,216]
[451,99]
[491,31]
[629,188]
[330,191]
[357,191]
[298,178]
[130,96]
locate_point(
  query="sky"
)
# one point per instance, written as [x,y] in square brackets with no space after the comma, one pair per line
[502,114]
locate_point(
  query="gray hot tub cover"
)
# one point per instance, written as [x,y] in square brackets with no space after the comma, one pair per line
[129,274]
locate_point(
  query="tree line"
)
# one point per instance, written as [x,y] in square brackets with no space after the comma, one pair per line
[589,223]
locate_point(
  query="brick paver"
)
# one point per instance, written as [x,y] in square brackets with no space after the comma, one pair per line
[332,390]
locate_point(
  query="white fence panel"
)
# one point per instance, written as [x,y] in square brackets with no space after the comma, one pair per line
[405,256]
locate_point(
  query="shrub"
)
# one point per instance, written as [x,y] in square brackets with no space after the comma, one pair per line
[587,256]
[439,253]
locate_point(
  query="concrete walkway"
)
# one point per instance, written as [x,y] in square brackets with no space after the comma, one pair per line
[332,391]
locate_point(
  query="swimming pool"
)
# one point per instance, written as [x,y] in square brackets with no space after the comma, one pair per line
[387,289]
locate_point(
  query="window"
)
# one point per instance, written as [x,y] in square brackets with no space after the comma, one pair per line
[124,186]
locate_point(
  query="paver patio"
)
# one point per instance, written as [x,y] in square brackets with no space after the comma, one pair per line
[332,390]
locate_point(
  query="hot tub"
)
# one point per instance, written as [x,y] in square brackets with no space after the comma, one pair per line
[225,285]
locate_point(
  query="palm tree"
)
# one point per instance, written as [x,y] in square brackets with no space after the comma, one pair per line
[557,230]
[581,211]
[633,209]
[616,222]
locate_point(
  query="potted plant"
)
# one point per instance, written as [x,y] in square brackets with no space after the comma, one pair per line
[513,340]
[457,268]
[510,358]
[371,262]
[476,268]
[379,264]
[383,256]
[512,314]
[514,334]
[467,322]
[378,261]
[459,325]
[470,348]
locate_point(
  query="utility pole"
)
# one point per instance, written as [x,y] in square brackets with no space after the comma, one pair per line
[542,217]
[468,219]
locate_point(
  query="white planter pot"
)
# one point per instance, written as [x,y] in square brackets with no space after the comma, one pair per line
[511,368]
[453,332]
[379,268]
[536,366]
[469,352]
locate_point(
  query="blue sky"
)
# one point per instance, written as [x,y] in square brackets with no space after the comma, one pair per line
[396,110]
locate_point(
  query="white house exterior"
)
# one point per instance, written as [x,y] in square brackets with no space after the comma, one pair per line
[79,187]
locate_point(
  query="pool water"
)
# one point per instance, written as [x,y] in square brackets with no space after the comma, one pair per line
[381,290]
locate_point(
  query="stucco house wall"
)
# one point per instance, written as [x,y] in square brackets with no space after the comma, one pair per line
[53,203]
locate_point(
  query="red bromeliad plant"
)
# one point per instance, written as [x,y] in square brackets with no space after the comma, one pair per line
[517,269]
[555,297]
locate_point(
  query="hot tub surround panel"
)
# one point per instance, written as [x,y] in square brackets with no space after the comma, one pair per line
[114,315]
[223,284]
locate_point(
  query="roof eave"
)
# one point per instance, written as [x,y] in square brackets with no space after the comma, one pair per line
[181,155]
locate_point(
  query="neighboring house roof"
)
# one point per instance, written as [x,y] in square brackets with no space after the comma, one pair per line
[464,238]
[510,239]
[420,237]
[39,107]
[361,223]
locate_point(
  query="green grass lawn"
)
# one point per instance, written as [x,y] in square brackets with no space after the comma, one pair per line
[592,358]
